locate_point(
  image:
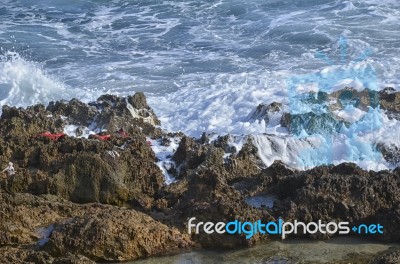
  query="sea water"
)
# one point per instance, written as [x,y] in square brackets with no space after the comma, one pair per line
[206,65]
[337,250]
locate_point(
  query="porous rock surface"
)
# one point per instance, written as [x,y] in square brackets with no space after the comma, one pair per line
[79,200]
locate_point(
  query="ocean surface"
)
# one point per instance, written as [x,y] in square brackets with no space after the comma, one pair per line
[206,65]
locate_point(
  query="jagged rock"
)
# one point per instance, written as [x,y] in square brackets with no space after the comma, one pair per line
[110,234]
[117,112]
[390,153]
[286,120]
[390,101]
[211,186]
[359,99]
[99,232]
[205,193]
[241,164]
[109,112]
[389,257]
[311,123]
[262,111]
[17,255]
[244,164]
[120,171]
[84,170]
[223,142]
[264,180]
[77,112]
[204,139]
[341,193]
[138,101]
[189,155]
[25,123]
[27,255]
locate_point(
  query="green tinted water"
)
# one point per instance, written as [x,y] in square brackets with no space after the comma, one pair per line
[338,250]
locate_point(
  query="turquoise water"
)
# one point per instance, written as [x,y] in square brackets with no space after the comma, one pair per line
[206,65]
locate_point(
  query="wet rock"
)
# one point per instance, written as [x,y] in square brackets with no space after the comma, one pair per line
[390,153]
[109,113]
[119,112]
[205,193]
[84,170]
[350,96]
[26,123]
[341,193]
[262,111]
[224,143]
[77,112]
[390,101]
[214,180]
[390,257]
[79,131]
[110,234]
[286,120]
[189,155]
[204,139]
[99,232]
[311,123]
[138,101]
[121,171]
[29,255]
[241,164]
[244,164]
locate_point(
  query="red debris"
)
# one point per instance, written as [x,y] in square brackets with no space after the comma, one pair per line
[123,133]
[149,143]
[52,136]
[101,137]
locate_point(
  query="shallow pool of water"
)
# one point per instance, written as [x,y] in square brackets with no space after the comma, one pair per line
[261,200]
[337,250]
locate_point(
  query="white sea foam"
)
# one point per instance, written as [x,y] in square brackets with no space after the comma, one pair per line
[205,66]
[24,83]
[164,155]
[350,113]
[224,109]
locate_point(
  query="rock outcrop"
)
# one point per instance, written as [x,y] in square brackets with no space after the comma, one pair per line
[49,229]
[390,257]
[341,193]
[58,178]
[75,199]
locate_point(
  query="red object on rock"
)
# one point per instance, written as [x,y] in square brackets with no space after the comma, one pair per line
[52,136]
[101,137]
[149,143]
[123,133]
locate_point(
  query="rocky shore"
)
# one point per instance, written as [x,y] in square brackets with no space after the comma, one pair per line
[79,196]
